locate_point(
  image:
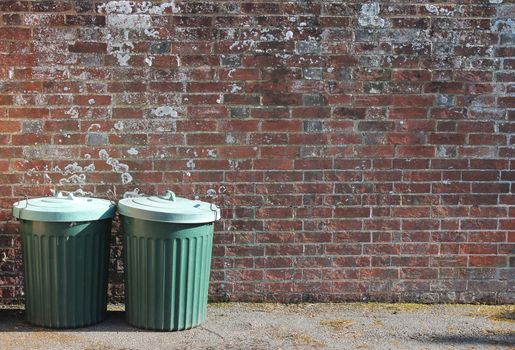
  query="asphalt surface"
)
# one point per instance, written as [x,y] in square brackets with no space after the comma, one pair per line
[277,326]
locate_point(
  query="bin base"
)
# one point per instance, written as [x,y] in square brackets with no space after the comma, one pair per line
[62,325]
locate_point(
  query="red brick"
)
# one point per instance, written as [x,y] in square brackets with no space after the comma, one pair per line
[415,151]
[88,47]
[487,261]
[412,75]
[7,126]
[478,248]
[28,113]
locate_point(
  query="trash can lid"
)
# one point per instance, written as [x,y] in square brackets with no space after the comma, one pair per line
[62,208]
[169,208]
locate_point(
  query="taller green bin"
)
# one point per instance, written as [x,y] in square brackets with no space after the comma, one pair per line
[167,255]
[65,245]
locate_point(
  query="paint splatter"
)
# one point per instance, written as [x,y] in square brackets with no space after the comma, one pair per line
[132,151]
[116,166]
[191,164]
[126,178]
[72,112]
[164,111]
[439,11]
[369,15]
[79,179]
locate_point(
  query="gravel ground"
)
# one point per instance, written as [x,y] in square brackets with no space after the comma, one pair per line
[277,326]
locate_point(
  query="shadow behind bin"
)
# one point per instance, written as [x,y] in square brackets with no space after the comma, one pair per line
[65,244]
[167,254]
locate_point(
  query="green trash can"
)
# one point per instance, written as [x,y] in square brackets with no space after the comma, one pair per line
[65,244]
[167,255]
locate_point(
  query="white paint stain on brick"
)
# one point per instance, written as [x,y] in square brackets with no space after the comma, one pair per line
[126,178]
[72,168]
[29,172]
[94,126]
[118,125]
[72,112]
[121,50]
[230,139]
[148,60]
[20,100]
[164,6]
[102,154]
[152,33]
[233,164]
[242,45]
[47,178]
[132,151]
[124,21]
[191,164]
[79,179]
[439,11]
[235,88]
[503,25]
[288,35]
[369,16]
[164,111]
[116,166]
[116,7]
[143,7]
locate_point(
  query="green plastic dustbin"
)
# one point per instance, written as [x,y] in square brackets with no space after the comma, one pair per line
[167,255]
[65,244]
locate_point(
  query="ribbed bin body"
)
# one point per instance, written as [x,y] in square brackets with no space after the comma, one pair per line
[65,266]
[167,269]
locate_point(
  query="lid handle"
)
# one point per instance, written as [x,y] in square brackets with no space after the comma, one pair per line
[60,194]
[169,195]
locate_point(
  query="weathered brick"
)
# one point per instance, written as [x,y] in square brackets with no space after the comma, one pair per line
[97,139]
[308,47]
[230,60]
[314,73]
[365,155]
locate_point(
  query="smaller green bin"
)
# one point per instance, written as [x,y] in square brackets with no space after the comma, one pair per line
[65,245]
[167,254]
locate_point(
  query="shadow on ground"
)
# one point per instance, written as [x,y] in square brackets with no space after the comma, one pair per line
[472,340]
[13,320]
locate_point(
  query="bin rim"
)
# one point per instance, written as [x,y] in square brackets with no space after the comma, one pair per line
[62,208]
[169,208]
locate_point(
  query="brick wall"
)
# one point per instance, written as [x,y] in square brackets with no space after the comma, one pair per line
[360,151]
